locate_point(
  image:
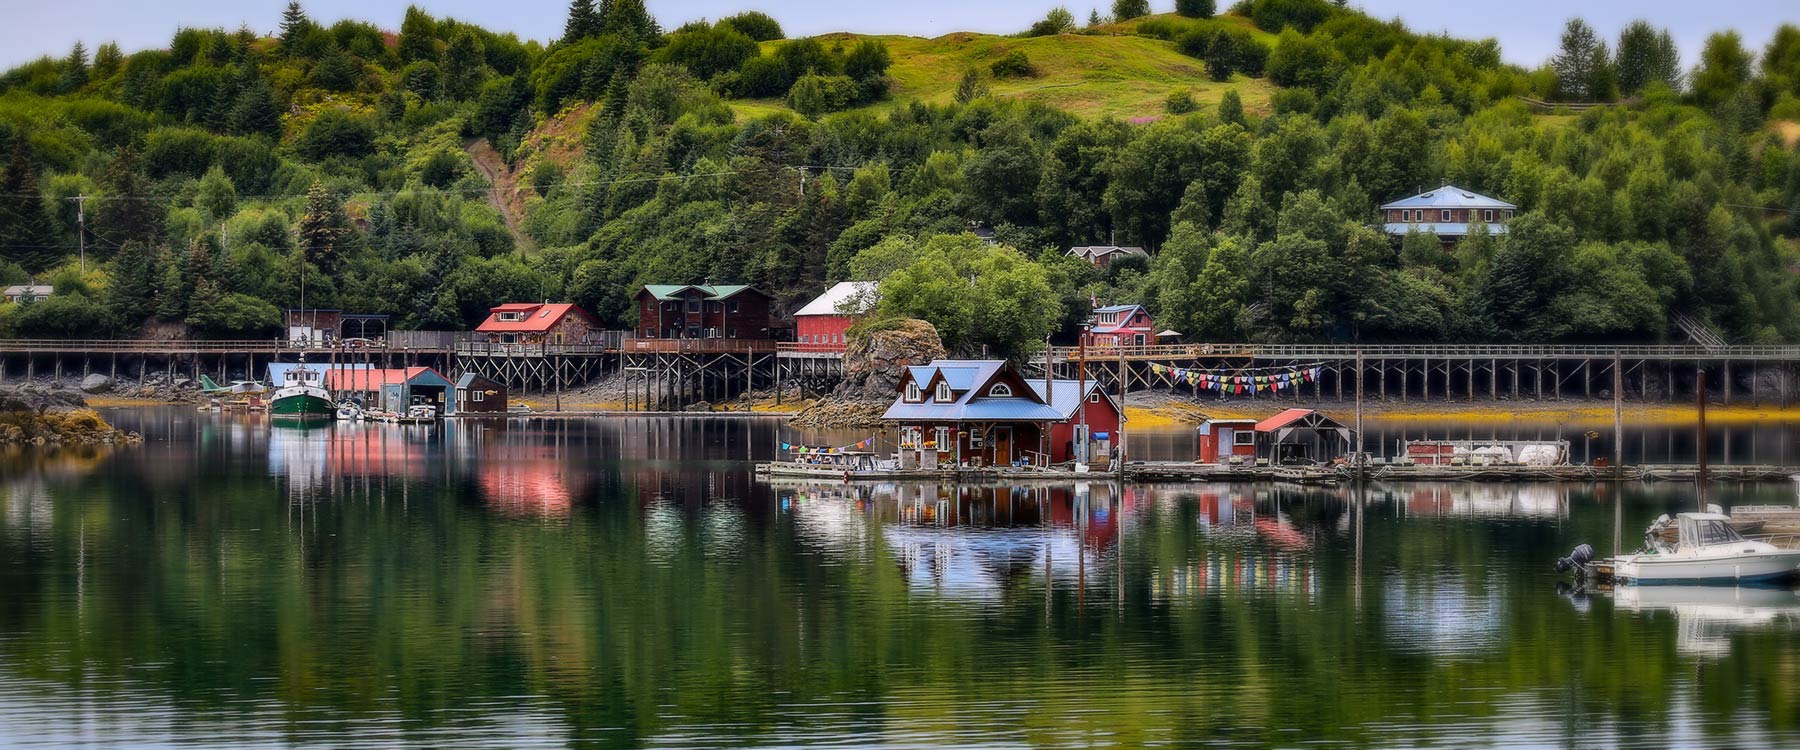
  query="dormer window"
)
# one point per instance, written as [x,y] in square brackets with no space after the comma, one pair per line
[1000,390]
[509,317]
[944,396]
[912,392]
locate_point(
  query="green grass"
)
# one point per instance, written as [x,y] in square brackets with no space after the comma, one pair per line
[1123,76]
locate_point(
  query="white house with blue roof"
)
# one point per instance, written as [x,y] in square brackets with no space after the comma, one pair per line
[965,411]
[1447,212]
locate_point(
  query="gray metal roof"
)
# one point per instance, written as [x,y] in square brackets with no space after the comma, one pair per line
[1449,196]
[1439,228]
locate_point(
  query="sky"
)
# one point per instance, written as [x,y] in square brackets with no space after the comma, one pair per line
[1527,29]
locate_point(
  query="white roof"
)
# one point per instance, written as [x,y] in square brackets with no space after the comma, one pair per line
[1449,196]
[860,294]
[35,290]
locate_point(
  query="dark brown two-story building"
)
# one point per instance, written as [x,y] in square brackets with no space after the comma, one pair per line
[702,311]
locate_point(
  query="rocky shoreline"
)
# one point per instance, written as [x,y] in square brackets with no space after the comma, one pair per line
[32,414]
[873,366]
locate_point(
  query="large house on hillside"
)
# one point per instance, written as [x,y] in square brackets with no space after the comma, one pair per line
[1447,212]
[702,311]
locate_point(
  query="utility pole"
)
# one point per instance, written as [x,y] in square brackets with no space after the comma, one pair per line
[81,227]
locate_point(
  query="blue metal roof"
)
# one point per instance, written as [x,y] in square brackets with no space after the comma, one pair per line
[1439,228]
[1449,196]
[970,405]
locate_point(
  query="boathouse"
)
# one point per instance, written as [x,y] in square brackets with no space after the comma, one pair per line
[538,323]
[478,395]
[702,311]
[1446,212]
[984,412]
[822,323]
[1301,436]
[392,389]
[1120,325]
[1227,441]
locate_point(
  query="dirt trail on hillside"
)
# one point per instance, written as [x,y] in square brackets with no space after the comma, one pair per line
[503,188]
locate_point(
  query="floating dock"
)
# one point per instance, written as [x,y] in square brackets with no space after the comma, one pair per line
[1180,471]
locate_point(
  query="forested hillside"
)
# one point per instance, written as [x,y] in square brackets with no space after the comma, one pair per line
[437,170]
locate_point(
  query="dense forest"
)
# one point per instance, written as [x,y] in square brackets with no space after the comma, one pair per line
[436,171]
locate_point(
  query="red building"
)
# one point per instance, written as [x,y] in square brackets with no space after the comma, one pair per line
[954,412]
[1227,440]
[539,323]
[702,311]
[823,322]
[1121,325]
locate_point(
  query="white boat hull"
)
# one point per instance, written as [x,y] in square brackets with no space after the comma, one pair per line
[1742,567]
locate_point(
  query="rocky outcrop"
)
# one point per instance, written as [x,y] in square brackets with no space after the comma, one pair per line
[873,366]
[36,415]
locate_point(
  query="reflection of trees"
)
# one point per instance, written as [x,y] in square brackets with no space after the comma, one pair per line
[680,597]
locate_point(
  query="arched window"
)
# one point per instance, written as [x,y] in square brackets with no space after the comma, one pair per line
[1000,390]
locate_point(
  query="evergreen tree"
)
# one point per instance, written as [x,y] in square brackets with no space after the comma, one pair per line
[107,61]
[583,22]
[132,291]
[418,36]
[1094,18]
[256,112]
[971,87]
[1231,108]
[294,28]
[1194,208]
[1646,55]
[1724,66]
[629,19]
[25,236]
[75,69]
[322,229]
[1574,64]
[464,65]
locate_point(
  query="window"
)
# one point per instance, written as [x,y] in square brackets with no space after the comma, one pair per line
[943,438]
[1446,215]
[1000,390]
[478,395]
[1094,398]
[1487,215]
[693,305]
[510,317]
[734,307]
[1506,214]
[912,392]
[943,393]
[1243,437]
[805,339]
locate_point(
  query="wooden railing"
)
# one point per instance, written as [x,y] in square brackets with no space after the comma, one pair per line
[809,348]
[696,346]
[207,346]
[1429,351]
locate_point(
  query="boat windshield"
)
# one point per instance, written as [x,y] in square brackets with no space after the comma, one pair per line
[1714,532]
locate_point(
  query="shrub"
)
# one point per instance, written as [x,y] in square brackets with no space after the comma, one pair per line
[1013,65]
[754,24]
[545,176]
[814,95]
[441,169]
[1125,10]
[336,132]
[1180,102]
[65,315]
[1058,21]
[178,151]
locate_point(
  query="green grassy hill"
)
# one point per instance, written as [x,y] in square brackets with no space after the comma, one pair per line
[1112,74]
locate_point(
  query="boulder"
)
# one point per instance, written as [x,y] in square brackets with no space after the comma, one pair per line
[37,400]
[873,366]
[96,383]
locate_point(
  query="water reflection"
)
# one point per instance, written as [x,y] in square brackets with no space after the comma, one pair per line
[621,583]
[1707,617]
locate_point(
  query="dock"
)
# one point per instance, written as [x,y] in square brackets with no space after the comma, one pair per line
[1187,471]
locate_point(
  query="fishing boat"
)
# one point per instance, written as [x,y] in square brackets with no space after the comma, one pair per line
[1708,551]
[302,395]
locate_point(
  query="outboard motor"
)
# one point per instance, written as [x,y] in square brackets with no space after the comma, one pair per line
[1577,560]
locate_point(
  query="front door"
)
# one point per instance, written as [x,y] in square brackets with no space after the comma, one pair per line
[1003,454]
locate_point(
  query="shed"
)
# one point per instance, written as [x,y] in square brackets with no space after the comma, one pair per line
[478,395]
[1222,440]
[1301,436]
[392,389]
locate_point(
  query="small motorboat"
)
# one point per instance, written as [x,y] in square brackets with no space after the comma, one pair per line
[348,412]
[1708,551]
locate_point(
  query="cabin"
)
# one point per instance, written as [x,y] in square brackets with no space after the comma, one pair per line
[1301,436]
[26,292]
[539,323]
[822,323]
[702,311]
[391,389]
[1120,325]
[1101,256]
[477,395]
[1447,212]
[1225,441]
[984,412]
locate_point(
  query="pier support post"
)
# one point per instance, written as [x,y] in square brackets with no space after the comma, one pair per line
[1726,384]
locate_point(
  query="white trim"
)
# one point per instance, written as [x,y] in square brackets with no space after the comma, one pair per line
[1000,390]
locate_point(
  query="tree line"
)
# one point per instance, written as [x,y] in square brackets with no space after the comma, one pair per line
[217,173]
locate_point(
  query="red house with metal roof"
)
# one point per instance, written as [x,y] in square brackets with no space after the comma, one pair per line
[1121,325]
[539,323]
[985,411]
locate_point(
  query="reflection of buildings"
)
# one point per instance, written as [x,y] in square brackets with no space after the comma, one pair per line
[1479,499]
[1708,616]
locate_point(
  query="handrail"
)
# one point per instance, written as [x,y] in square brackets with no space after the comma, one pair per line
[1441,351]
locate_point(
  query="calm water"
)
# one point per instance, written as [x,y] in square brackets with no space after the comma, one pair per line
[626,583]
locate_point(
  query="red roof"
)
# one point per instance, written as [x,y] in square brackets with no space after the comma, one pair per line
[539,317]
[1282,420]
[369,380]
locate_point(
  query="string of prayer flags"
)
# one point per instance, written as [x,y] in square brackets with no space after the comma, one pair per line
[808,450]
[1240,382]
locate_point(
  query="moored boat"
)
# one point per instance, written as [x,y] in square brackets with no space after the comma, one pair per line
[302,395]
[1709,551]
